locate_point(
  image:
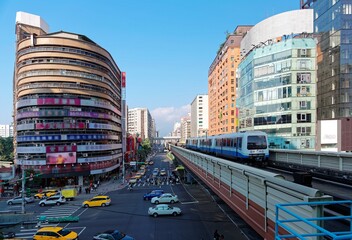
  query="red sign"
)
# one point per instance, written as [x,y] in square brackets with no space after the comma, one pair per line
[123,83]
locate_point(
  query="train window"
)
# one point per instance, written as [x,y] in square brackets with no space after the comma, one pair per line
[235,142]
[239,142]
[256,142]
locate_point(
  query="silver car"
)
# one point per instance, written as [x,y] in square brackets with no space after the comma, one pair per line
[18,200]
[53,200]
[163,209]
[165,198]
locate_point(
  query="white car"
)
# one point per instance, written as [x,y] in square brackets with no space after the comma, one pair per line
[163,209]
[165,198]
[18,200]
[53,200]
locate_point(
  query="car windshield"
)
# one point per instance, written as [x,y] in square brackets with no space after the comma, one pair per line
[64,232]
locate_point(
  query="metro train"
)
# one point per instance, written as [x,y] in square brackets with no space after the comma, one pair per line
[249,147]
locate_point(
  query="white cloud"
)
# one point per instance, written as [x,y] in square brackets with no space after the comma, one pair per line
[166,117]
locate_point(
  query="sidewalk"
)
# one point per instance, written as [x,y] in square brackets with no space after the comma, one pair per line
[104,188]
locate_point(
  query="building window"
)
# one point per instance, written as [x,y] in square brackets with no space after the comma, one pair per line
[303,91]
[303,131]
[303,117]
[347,9]
[304,105]
[303,78]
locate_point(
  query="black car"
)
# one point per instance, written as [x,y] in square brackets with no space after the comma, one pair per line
[154,193]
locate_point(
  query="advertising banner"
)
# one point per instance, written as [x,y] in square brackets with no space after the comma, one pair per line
[61,158]
[59,149]
[58,101]
[59,125]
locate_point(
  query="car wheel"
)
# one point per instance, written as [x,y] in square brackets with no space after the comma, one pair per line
[172,201]
[156,202]
[58,203]
[10,203]
[174,213]
[155,214]
[103,204]
[42,204]
[86,205]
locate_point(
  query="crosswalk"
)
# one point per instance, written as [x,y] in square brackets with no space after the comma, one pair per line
[145,183]
[55,211]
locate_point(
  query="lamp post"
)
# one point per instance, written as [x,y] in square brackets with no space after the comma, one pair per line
[23,186]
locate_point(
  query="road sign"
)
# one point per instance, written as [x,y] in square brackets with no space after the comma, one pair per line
[133,163]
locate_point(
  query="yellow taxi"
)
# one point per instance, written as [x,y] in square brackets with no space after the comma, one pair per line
[46,193]
[58,233]
[97,201]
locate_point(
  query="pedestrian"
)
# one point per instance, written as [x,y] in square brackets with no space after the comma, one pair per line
[80,190]
[216,235]
[222,237]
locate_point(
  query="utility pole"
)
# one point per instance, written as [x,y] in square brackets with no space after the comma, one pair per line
[124,123]
[23,184]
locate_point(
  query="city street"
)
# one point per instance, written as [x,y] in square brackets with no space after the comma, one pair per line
[128,212]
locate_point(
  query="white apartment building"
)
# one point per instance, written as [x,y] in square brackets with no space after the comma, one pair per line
[199,116]
[140,122]
[185,128]
[6,131]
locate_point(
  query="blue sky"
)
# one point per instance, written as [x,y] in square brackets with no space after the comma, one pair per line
[164,46]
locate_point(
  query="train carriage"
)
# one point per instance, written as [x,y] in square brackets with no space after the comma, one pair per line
[245,146]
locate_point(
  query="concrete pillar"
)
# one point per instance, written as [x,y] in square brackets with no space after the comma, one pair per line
[80,181]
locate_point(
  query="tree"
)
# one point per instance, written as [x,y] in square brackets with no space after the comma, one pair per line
[144,149]
[6,149]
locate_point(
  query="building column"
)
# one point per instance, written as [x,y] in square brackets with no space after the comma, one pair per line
[80,181]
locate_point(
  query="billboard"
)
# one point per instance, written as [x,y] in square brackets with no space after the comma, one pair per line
[328,132]
[61,158]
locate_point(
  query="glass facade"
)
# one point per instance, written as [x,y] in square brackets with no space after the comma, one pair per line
[277,92]
[333,21]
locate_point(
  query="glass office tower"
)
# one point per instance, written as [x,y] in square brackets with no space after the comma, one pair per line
[333,21]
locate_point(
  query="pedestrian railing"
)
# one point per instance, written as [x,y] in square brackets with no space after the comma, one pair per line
[290,224]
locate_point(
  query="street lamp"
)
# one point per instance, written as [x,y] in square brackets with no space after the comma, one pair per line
[23,184]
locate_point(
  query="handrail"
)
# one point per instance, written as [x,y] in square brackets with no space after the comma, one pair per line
[318,231]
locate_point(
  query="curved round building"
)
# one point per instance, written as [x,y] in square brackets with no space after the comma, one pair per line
[67,95]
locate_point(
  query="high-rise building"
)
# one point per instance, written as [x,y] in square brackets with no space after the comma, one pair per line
[222,84]
[67,96]
[277,95]
[199,116]
[6,131]
[185,128]
[176,132]
[332,21]
[277,86]
[140,123]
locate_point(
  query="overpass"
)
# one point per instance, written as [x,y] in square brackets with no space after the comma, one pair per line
[258,196]
[165,140]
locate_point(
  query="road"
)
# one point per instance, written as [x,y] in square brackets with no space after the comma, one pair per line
[128,213]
